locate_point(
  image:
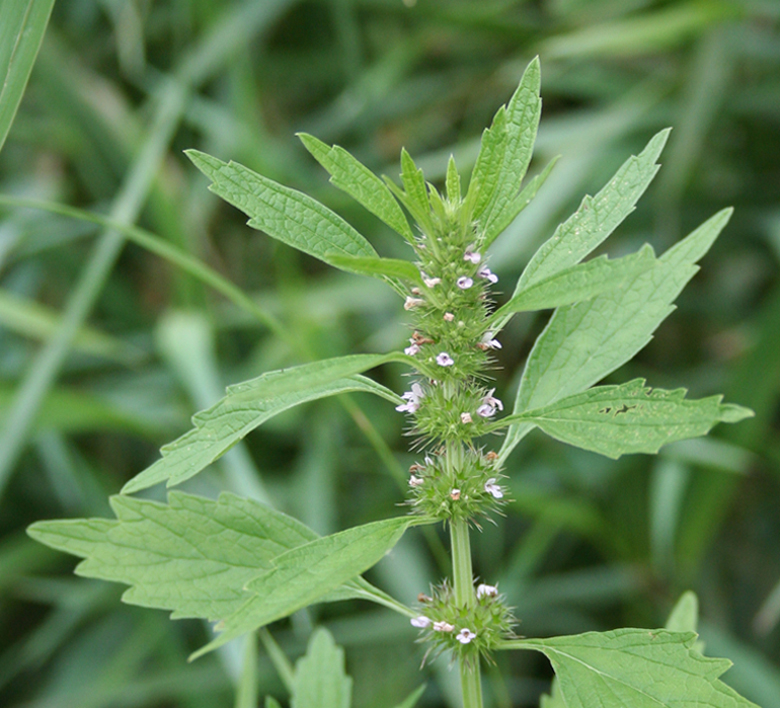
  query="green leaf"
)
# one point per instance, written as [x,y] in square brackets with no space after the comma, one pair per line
[554,699]
[411,700]
[487,168]
[354,178]
[635,667]
[597,217]
[630,418]
[305,574]
[520,202]
[22,26]
[271,702]
[249,404]
[684,616]
[577,283]
[382,268]
[452,182]
[320,679]
[283,213]
[192,556]
[414,195]
[582,343]
[522,120]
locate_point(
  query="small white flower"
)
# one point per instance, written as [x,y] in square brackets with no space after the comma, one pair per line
[487,274]
[428,460]
[464,282]
[489,342]
[492,488]
[465,636]
[444,359]
[412,302]
[472,256]
[486,590]
[448,317]
[489,405]
[412,349]
[429,282]
[443,626]
[412,399]
[415,481]
[455,494]
[466,418]
[422,621]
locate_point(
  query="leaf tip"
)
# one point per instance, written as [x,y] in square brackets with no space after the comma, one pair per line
[733,413]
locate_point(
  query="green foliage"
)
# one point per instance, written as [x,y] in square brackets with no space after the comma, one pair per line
[320,680]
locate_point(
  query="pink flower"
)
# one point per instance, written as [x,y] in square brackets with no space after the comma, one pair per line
[492,488]
[412,349]
[429,282]
[412,399]
[489,342]
[465,636]
[415,481]
[455,494]
[448,317]
[443,626]
[422,621]
[472,256]
[412,302]
[487,274]
[444,359]
[489,405]
[464,282]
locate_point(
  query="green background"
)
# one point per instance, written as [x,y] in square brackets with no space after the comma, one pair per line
[120,89]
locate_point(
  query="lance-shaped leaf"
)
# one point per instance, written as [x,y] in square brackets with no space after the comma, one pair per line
[522,120]
[582,343]
[597,217]
[414,195]
[249,404]
[192,556]
[487,168]
[305,574]
[635,667]
[383,268]
[283,213]
[320,680]
[577,283]
[354,178]
[630,418]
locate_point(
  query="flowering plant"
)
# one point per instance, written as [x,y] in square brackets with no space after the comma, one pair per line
[245,565]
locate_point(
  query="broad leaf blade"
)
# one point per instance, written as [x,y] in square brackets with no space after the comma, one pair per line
[583,343]
[522,120]
[22,26]
[305,574]
[635,667]
[354,178]
[248,405]
[577,283]
[630,418]
[283,213]
[320,679]
[597,217]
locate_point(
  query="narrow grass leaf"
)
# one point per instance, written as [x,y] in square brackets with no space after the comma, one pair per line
[320,679]
[354,178]
[597,217]
[249,404]
[22,26]
[577,283]
[635,667]
[283,213]
[522,120]
[306,574]
[191,556]
[630,418]
[582,343]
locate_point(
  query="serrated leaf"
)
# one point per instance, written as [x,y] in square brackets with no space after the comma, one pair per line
[635,667]
[249,404]
[597,217]
[354,178]
[452,182]
[582,343]
[577,283]
[382,268]
[630,418]
[487,168]
[320,679]
[522,120]
[283,213]
[520,202]
[303,575]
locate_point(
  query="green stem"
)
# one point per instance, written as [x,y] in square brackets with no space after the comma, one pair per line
[471,683]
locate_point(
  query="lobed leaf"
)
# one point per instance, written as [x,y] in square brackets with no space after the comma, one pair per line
[303,575]
[597,217]
[635,667]
[522,120]
[283,213]
[320,680]
[577,283]
[582,343]
[249,404]
[630,418]
[354,178]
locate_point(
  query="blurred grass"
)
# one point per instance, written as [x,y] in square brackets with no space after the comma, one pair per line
[107,349]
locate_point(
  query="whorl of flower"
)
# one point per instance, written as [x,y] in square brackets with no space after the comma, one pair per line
[412,302]
[472,256]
